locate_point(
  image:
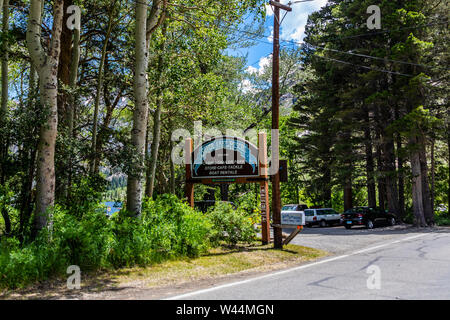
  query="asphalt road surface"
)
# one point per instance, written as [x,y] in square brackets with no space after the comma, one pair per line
[386,263]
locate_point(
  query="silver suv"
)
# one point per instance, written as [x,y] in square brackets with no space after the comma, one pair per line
[322,217]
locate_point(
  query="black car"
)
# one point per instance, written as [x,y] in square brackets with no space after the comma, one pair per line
[367,216]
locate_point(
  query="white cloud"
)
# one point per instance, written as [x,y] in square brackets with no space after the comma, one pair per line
[251,70]
[270,38]
[264,62]
[293,26]
[246,86]
[269,11]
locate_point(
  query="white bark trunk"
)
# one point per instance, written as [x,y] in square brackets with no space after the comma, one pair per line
[144,29]
[138,134]
[47,68]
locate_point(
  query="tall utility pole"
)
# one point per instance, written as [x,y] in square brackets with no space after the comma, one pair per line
[276,194]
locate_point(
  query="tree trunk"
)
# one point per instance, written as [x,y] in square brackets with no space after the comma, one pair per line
[73,80]
[433,173]
[47,67]
[99,89]
[417,196]
[371,191]
[390,174]
[26,206]
[348,195]
[7,220]
[103,132]
[144,28]
[71,106]
[64,66]
[155,148]
[139,132]
[400,176]
[381,180]
[426,193]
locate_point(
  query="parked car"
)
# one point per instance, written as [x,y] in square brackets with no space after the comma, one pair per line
[368,216]
[322,217]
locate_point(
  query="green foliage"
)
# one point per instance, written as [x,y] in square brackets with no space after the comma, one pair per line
[232,225]
[443,219]
[131,245]
[167,229]
[21,265]
[85,195]
[84,241]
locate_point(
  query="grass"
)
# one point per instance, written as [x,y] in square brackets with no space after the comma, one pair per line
[218,263]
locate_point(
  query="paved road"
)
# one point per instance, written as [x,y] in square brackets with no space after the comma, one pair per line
[339,240]
[412,265]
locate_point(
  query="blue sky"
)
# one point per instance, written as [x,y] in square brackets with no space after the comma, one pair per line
[292,28]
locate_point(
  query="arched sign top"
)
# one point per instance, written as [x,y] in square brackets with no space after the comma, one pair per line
[225,156]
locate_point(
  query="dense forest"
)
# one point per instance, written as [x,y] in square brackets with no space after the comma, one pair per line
[88,112]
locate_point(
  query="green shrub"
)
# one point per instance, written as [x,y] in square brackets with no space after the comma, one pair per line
[20,266]
[232,225]
[443,218]
[84,240]
[175,228]
[168,228]
[131,244]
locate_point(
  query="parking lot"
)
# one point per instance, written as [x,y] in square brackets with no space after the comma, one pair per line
[339,240]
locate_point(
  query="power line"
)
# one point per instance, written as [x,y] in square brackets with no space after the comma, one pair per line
[392,30]
[259,35]
[334,50]
[371,57]
[365,67]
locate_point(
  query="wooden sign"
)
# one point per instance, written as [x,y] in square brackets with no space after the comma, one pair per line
[224,160]
[225,157]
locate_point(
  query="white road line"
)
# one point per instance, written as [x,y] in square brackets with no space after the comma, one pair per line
[232,284]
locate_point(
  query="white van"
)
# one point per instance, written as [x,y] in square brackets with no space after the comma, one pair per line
[322,217]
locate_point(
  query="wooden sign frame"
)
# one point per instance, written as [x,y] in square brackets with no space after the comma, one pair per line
[262,179]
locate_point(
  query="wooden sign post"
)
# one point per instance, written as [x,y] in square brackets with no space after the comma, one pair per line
[188,161]
[264,188]
[226,160]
